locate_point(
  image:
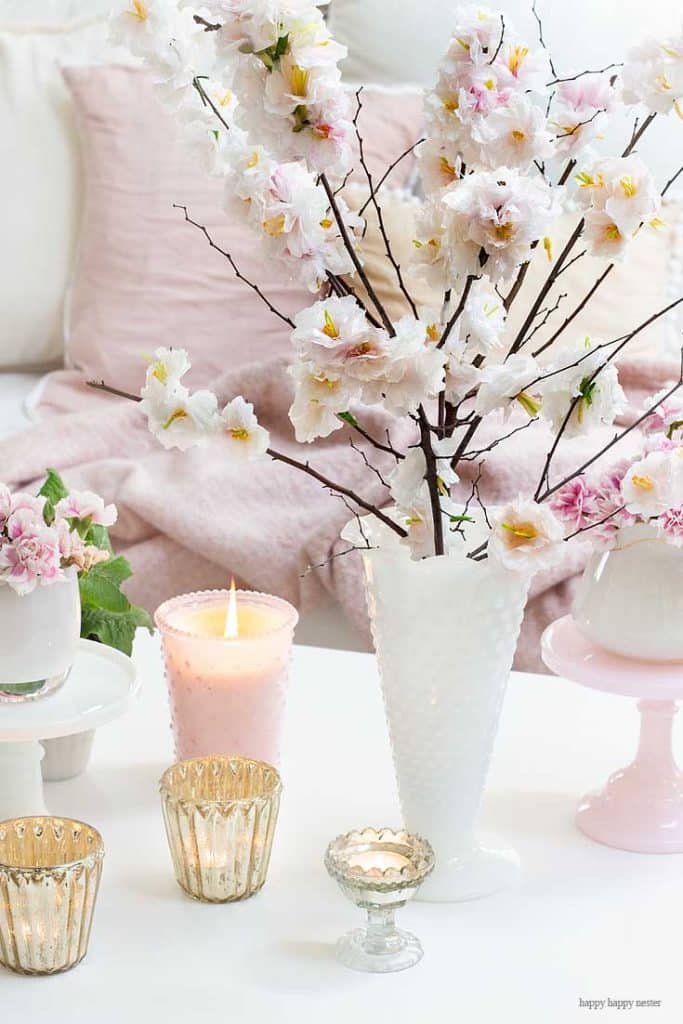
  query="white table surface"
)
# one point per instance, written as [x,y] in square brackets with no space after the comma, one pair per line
[585,922]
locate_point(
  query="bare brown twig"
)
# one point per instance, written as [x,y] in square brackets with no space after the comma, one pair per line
[254,287]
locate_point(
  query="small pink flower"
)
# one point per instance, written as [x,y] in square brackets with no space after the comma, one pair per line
[24,522]
[671,525]
[86,505]
[74,551]
[32,502]
[32,557]
[575,504]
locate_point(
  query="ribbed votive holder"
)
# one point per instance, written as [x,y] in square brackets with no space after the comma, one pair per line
[220,815]
[50,872]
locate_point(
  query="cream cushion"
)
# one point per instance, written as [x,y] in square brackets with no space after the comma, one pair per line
[40,181]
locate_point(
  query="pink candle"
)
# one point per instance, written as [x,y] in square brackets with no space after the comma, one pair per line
[227,661]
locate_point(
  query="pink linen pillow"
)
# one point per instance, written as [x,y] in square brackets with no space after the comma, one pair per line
[146,278]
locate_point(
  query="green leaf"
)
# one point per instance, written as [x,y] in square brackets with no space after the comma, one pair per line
[281,46]
[54,488]
[112,629]
[99,592]
[349,418]
[116,631]
[99,537]
[461,519]
[115,570]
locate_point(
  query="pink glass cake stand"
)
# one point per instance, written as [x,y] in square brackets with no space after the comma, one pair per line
[641,806]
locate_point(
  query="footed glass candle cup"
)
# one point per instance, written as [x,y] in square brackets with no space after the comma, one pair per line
[49,876]
[379,870]
[220,815]
[227,659]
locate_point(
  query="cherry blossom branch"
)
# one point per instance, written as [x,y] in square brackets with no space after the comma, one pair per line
[354,256]
[615,440]
[390,168]
[368,464]
[388,448]
[475,454]
[341,287]
[378,209]
[592,526]
[99,385]
[581,74]
[254,287]
[432,482]
[671,181]
[305,467]
[471,278]
[500,41]
[546,313]
[208,25]
[544,481]
[207,101]
[367,506]
[577,309]
[541,40]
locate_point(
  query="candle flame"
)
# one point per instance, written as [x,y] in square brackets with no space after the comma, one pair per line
[231,630]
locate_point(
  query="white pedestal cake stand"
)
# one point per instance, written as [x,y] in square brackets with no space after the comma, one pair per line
[641,806]
[100,688]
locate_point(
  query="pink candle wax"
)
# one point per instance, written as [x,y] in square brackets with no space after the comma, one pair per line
[227,693]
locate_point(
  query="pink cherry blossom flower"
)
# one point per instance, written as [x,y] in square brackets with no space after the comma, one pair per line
[32,556]
[86,505]
[575,504]
[671,525]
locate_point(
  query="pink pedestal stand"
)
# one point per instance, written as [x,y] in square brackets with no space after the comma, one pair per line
[641,806]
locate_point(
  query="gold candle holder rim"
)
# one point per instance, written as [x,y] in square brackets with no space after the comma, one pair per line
[97,853]
[244,801]
[289,619]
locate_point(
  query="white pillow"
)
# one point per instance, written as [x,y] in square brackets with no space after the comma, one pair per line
[40,182]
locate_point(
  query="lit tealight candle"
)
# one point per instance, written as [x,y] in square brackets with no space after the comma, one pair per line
[227,658]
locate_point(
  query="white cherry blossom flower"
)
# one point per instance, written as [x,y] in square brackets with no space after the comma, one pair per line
[179,419]
[526,536]
[599,399]
[499,214]
[620,195]
[654,484]
[653,75]
[504,383]
[579,113]
[165,372]
[462,377]
[514,135]
[318,400]
[482,323]
[239,425]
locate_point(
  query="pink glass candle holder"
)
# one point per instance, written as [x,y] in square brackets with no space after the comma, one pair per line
[227,692]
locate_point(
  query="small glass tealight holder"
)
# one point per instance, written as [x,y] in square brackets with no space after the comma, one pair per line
[50,872]
[220,815]
[379,870]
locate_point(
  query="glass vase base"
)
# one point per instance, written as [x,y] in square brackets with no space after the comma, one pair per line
[357,951]
[488,867]
[17,693]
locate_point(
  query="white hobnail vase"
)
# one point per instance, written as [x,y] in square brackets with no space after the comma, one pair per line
[39,634]
[630,598]
[445,631]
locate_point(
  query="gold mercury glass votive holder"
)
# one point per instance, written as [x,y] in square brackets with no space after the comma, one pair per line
[50,872]
[220,815]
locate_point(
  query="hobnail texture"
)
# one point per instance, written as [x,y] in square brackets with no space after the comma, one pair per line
[445,631]
[220,815]
[50,872]
[227,695]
